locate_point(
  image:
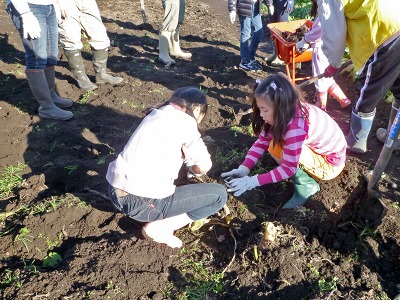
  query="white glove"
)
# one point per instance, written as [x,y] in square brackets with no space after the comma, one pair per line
[289,6]
[240,185]
[64,8]
[30,26]
[232,16]
[271,10]
[302,45]
[241,171]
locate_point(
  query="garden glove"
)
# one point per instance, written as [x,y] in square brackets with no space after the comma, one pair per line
[240,185]
[289,6]
[64,8]
[302,45]
[30,26]
[271,10]
[241,171]
[330,71]
[232,16]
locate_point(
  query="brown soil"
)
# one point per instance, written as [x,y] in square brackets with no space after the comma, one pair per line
[326,250]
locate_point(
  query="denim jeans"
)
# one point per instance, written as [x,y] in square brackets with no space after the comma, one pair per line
[250,28]
[43,51]
[198,201]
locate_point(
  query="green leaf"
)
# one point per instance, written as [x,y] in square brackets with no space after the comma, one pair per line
[52,260]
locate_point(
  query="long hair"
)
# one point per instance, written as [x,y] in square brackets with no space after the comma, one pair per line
[187,98]
[285,98]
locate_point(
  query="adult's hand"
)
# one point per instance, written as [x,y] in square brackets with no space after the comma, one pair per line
[241,171]
[330,71]
[30,26]
[232,16]
[64,8]
[289,6]
[302,45]
[240,185]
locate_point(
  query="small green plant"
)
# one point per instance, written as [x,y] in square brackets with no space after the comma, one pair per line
[327,285]
[233,156]
[54,243]
[24,237]
[313,269]
[367,232]
[52,260]
[71,169]
[85,97]
[204,90]
[10,179]
[114,288]
[8,277]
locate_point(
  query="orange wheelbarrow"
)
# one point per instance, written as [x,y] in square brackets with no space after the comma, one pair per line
[286,51]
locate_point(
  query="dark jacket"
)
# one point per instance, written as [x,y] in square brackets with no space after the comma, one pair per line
[242,7]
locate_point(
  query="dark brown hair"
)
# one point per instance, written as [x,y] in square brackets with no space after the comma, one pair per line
[285,98]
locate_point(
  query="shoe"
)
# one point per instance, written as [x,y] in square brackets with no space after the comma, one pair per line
[250,66]
[256,63]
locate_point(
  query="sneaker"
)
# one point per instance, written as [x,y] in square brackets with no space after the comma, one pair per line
[254,62]
[250,66]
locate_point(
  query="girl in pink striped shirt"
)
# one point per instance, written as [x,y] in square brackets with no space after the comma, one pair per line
[303,139]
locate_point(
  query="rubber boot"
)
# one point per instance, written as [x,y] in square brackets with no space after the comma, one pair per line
[336,92]
[40,90]
[322,98]
[78,69]
[162,231]
[304,187]
[174,47]
[360,126]
[163,48]
[382,132]
[273,60]
[51,82]
[100,58]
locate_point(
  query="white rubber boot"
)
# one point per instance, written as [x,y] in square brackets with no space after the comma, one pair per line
[175,48]
[162,231]
[163,48]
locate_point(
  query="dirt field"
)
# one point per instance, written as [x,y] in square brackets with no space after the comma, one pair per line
[328,249]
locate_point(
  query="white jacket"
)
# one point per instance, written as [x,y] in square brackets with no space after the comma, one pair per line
[152,158]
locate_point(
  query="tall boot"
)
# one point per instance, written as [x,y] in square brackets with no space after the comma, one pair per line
[336,92]
[175,48]
[78,69]
[163,47]
[382,132]
[100,58]
[322,98]
[40,90]
[162,231]
[274,60]
[360,126]
[51,82]
[304,187]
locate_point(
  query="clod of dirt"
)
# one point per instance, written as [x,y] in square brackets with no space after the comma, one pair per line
[296,36]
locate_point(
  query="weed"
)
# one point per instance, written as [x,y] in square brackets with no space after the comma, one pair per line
[52,260]
[52,244]
[85,97]
[202,281]
[8,277]
[114,288]
[234,156]
[71,169]
[204,90]
[327,285]
[367,232]
[10,179]
[242,209]
[313,269]
[24,237]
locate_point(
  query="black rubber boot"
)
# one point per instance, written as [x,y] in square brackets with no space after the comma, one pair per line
[100,58]
[304,187]
[40,90]
[51,82]
[78,69]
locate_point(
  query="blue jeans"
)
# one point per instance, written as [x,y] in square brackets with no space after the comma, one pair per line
[198,201]
[43,51]
[250,28]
